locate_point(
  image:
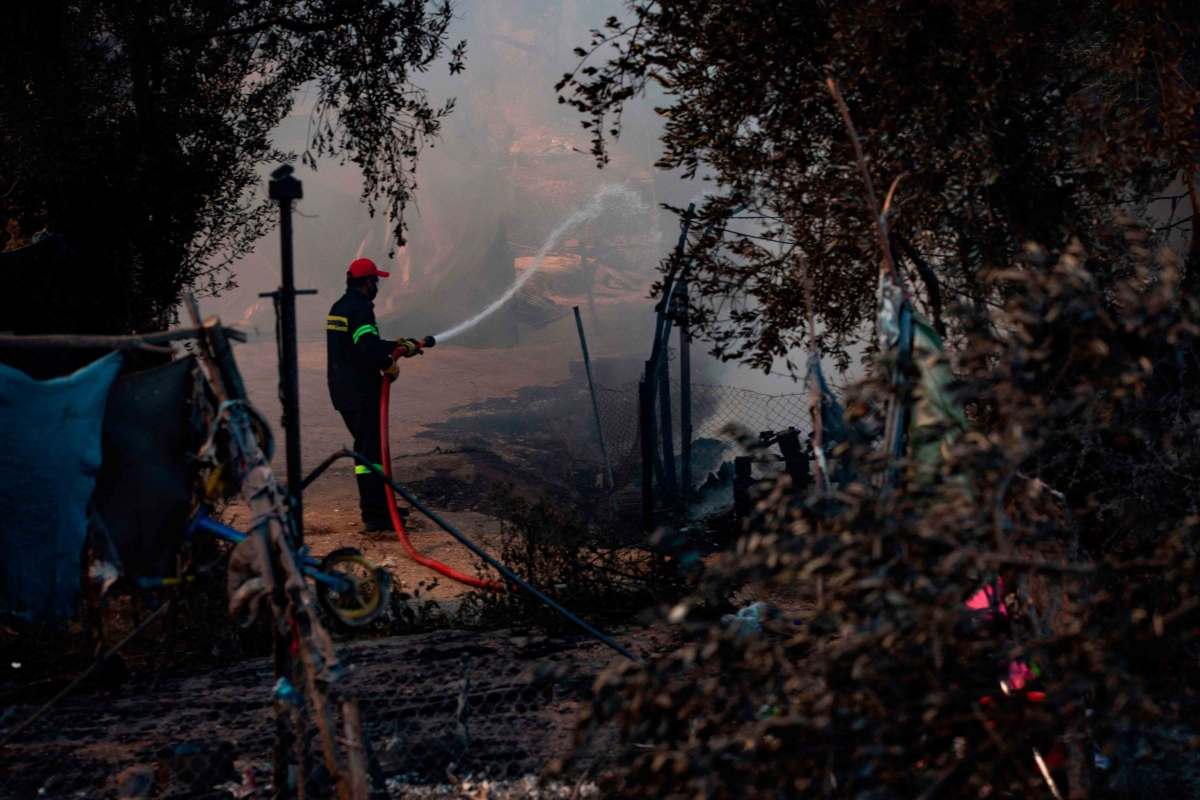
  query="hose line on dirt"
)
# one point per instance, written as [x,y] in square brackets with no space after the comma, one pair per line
[401,533]
[487,558]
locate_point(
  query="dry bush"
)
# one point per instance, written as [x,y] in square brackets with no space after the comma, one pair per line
[1076,486]
[573,563]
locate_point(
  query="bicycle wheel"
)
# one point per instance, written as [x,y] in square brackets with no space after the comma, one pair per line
[367,596]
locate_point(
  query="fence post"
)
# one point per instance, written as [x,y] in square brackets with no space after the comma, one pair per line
[685,397]
[668,440]
[356,756]
[668,288]
[587,365]
[795,462]
[646,426]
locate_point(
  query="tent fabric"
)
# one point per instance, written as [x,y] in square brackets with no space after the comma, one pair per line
[938,419]
[143,492]
[49,456]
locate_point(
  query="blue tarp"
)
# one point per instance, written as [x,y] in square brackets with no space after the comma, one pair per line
[49,457]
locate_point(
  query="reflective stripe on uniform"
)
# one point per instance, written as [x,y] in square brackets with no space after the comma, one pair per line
[362,331]
[360,469]
[337,324]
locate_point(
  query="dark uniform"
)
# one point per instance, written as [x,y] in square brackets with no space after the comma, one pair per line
[356,358]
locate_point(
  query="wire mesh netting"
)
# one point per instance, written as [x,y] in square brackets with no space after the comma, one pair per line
[721,417]
[408,715]
[457,708]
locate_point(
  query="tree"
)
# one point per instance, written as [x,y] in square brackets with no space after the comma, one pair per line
[1021,145]
[137,130]
[997,123]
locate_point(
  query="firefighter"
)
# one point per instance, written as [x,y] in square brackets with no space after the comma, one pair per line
[358,361]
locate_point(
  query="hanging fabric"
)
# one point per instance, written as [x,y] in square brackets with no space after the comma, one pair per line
[49,456]
[937,418]
[143,491]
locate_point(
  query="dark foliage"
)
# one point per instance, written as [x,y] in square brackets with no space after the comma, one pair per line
[138,131]
[1072,491]
[1075,488]
[995,122]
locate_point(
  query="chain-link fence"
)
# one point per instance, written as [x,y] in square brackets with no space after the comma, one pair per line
[722,416]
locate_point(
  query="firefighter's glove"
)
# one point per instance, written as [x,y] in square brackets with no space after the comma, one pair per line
[392,371]
[409,348]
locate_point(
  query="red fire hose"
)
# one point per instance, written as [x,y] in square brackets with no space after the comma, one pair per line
[402,534]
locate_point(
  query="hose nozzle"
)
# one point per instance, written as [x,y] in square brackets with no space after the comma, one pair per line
[407,348]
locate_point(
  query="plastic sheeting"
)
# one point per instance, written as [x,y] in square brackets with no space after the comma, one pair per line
[49,456]
[143,491]
[938,418]
[835,431]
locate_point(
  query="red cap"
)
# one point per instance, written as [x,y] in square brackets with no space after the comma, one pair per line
[363,268]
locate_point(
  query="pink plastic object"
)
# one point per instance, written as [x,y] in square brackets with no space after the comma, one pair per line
[988,599]
[1019,675]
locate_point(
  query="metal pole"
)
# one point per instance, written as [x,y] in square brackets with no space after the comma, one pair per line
[284,188]
[668,436]
[669,285]
[646,424]
[685,396]
[587,365]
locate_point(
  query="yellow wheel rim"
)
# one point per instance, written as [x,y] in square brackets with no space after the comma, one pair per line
[366,594]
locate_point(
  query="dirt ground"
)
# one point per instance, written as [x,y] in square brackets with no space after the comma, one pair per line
[452,477]
[209,734]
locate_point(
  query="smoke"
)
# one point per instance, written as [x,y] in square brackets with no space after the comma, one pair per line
[609,195]
[509,155]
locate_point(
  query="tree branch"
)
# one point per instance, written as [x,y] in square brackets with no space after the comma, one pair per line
[1194,199]
[880,222]
[287,23]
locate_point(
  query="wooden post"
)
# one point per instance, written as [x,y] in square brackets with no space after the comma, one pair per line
[303,744]
[795,462]
[281,651]
[356,753]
